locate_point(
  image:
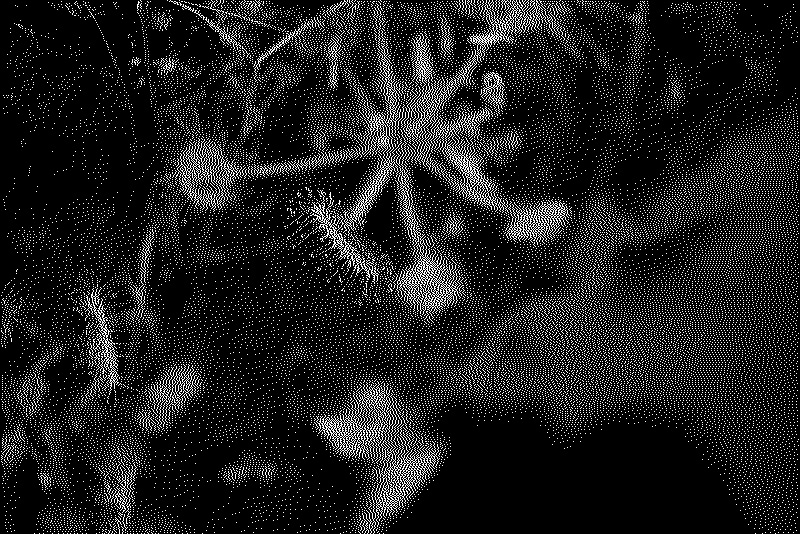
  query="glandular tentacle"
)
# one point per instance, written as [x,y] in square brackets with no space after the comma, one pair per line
[473,185]
[385,79]
[403,181]
[421,60]
[361,99]
[336,247]
[314,162]
[371,188]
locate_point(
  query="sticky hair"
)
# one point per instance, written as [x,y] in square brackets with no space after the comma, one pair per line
[98,350]
[334,244]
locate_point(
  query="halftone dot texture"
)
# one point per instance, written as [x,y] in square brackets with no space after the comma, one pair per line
[386,266]
[715,337]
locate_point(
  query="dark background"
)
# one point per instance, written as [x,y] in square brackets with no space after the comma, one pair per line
[83,147]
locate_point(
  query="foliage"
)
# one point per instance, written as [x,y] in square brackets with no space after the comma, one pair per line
[437,141]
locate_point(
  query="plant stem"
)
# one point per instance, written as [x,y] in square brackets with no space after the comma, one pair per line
[370,189]
[309,163]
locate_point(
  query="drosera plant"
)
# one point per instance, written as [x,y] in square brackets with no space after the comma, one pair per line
[409,121]
[406,116]
[332,243]
[406,120]
[98,353]
[415,125]
[50,418]
[96,346]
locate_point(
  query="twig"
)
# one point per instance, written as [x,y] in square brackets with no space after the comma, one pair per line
[303,27]
[222,33]
[232,14]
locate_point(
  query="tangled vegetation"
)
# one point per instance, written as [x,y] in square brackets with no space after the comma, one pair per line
[283,174]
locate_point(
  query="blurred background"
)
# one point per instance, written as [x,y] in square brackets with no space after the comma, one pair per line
[102,100]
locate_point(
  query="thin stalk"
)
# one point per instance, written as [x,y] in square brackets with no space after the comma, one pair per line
[414,231]
[386,79]
[370,189]
[300,29]
[362,99]
[476,189]
[446,41]
[421,58]
[446,88]
[225,36]
[309,163]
